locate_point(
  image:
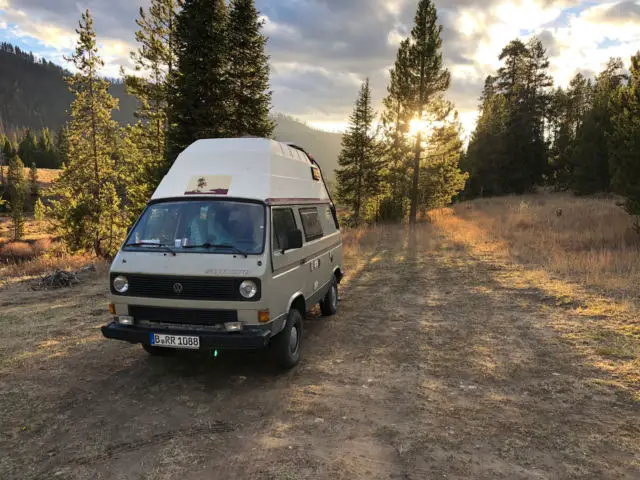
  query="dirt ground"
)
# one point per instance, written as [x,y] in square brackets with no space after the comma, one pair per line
[441,363]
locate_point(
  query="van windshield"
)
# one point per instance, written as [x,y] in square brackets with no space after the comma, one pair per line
[210,226]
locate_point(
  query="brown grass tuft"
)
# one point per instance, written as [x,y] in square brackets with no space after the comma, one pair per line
[41,246]
[40,265]
[16,251]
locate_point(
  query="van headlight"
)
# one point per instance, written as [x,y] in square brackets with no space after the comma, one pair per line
[248,289]
[120,284]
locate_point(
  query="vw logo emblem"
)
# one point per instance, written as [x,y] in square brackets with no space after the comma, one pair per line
[177,288]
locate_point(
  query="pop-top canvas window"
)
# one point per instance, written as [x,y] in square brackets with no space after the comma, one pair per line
[311,223]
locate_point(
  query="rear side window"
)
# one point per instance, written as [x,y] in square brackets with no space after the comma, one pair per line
[283,223]
[311,223]
[327,220]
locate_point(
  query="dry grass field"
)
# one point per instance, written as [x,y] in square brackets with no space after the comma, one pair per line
[591,242]
[468,347]
[45,175]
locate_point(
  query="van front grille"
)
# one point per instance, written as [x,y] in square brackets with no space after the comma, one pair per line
[187,288]
[189,316]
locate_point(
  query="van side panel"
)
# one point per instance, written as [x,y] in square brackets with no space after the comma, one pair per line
[309,269]
[288,274]
[322,255]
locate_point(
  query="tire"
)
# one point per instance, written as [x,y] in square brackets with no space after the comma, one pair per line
[329,304]
[286,345]
[158,351]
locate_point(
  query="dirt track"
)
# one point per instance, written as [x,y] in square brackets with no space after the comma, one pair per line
[436,366]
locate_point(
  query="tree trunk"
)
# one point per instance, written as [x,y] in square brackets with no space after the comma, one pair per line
[413,212]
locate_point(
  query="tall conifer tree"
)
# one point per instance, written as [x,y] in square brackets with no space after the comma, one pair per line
[508,152]
[427,79]
[17,194]
[199,105]
[590,157]
[396,142]
[154,62]
[624,141]
[248,74]
[87,213]
[359,162]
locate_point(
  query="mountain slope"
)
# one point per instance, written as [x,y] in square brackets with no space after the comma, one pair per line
[33,94]
[324,146]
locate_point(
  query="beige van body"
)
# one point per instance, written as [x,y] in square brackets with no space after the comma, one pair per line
[173,287]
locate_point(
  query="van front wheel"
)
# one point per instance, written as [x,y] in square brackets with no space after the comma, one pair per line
[329,304]
[286,345]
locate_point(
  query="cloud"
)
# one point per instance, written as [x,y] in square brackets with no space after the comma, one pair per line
[322,49]
[61,37]
[591,37]
[615,14]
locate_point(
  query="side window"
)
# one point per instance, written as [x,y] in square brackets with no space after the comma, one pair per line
[311,223]
[327,220]
[283,223]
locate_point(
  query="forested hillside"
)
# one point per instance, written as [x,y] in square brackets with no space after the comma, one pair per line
[34,95]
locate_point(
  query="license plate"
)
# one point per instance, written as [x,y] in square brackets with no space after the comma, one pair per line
[174,341]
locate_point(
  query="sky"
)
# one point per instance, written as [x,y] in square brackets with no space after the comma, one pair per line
[321,50]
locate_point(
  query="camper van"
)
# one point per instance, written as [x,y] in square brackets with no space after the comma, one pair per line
[237,243]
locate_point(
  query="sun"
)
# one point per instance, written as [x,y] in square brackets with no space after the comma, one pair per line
[417,125]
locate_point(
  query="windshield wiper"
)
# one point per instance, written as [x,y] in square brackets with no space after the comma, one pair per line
[159,245]
[212,245]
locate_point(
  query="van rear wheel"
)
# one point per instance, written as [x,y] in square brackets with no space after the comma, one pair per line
[286,345]
[329,304]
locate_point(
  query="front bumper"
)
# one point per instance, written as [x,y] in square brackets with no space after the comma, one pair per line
[249,338]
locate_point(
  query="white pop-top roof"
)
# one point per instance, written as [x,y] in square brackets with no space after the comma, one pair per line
[248,168]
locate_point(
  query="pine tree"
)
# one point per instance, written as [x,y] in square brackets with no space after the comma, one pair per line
[248,72]
[17,195]
[28,149]
[590,157]
[199,103]
[508,153]
[396,142]
[567,113]
[87,214]
[46,156]
[441,178]
[39,210]
[624,141]
[359,166]
[426,80]
[156,58]
[62,147]
[9,150]
[33,180]
[134,172]
[487,154]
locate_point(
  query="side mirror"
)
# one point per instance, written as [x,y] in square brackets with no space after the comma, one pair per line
[294,240]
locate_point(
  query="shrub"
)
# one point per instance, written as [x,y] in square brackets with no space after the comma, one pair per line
[41,246]
[38,210]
